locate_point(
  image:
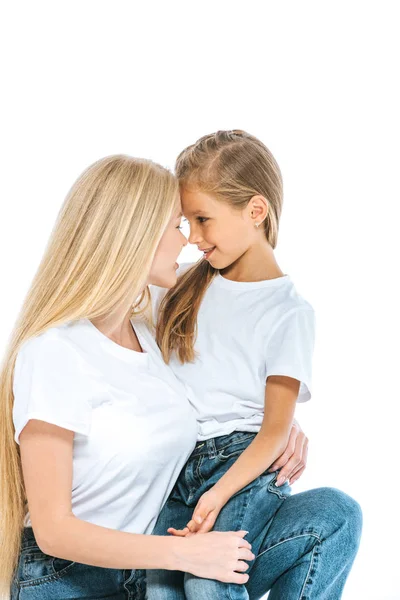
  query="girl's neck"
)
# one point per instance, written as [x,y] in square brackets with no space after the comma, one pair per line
[257,264]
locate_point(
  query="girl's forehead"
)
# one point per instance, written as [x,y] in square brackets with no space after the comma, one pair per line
[194,201]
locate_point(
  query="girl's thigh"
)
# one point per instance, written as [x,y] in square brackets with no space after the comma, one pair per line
[253,508]
[311,543]
[173,514]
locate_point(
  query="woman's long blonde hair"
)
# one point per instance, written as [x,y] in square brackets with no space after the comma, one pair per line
[98,258]
[232,166]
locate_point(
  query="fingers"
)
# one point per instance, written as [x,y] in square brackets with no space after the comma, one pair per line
[178,532]
[208,522]
[200,512]
[295,462]
[297,476]
[239,578]
[241,566]
[242,542]
[297,473]
[290,448]
[246,554]
[192,526]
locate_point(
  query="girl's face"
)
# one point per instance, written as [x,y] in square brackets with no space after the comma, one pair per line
[223,233]
[163,269]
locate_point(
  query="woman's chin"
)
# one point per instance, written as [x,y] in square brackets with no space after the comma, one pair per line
[168,281]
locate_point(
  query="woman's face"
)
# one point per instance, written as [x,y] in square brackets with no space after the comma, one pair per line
[226,233]
[163,269]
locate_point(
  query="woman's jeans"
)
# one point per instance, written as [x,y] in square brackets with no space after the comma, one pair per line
[304,544]
[43,577]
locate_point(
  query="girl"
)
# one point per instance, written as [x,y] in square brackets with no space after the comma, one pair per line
[240,337]
[94,427]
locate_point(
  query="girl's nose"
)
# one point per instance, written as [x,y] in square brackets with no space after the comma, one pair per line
[194,237]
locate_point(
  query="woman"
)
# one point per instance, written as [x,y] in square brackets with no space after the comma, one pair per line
[95,428]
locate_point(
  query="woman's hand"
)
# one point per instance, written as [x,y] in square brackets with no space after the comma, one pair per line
[294,460]
[204,516]
[216,555]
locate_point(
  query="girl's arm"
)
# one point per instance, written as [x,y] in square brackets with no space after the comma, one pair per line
[46,454]
[280,401]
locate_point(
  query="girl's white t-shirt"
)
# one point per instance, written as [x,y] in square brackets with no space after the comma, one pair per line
[134,428]
[246,332]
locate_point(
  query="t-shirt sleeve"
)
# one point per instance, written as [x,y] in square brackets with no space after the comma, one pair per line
[50,384]
[157,293]
[290,349]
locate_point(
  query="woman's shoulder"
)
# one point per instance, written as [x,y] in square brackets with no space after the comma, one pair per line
[51,346]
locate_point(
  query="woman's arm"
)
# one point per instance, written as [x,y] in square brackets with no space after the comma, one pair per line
[46,453]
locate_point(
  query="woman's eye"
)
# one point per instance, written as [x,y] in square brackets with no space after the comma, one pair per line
[202,219]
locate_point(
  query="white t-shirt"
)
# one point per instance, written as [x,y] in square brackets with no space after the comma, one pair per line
[134,428]
[247,331]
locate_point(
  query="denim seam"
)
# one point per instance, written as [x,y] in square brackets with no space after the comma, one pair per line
[292,537]
[129,580]
[302,596]
[238,441]
[242,516]
[46,578]
[198,474]
[276,490]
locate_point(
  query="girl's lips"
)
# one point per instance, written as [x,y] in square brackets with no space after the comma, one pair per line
[208,254]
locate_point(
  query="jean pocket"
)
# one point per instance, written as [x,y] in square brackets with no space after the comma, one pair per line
[236,447]
[283,491]
[37,567]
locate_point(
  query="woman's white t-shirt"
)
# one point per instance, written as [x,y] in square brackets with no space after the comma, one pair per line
[246,331]
[134,428]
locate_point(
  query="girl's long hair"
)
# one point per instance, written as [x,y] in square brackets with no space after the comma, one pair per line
[232,166]
[97,259]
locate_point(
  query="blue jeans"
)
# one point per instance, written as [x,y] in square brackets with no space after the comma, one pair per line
[43,577]
[304,544]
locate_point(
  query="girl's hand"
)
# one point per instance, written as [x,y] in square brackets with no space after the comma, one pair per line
[217,555]
[294,460]
[204,516]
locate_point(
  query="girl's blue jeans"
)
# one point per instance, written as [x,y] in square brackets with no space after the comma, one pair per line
[304,544]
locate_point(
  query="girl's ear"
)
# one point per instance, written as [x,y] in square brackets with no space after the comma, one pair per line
[258,209]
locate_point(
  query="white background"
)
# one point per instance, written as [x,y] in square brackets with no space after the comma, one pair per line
[318,83]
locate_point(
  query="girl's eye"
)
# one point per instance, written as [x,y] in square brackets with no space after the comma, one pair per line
[202,219]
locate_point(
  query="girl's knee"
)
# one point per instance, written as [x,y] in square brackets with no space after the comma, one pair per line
[344,511]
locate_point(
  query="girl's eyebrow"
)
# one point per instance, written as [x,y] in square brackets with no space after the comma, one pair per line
[196,212]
